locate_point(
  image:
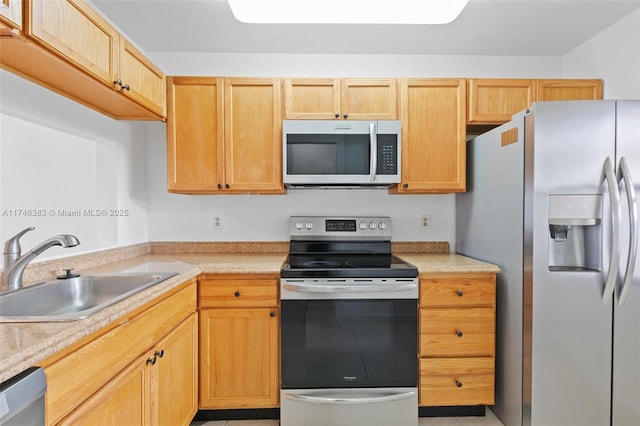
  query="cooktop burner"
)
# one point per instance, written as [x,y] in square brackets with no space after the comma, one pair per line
[352,266]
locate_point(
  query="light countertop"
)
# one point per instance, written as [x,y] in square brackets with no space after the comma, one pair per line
[23,345]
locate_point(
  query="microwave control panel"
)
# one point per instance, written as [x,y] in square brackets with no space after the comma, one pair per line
[387,155]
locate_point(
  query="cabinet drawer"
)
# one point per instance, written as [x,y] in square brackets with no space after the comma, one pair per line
[238,293]
[457,381]
[458,292]
[457,332]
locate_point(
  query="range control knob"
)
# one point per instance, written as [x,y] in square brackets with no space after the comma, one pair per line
[299,225]
[382,225]
[309,225]
[372,225]
[363,226]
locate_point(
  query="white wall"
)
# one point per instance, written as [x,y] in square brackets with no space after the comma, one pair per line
[55,156]
[247,218]
[613,55]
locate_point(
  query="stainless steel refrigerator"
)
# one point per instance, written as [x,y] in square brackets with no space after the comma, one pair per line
[551,199]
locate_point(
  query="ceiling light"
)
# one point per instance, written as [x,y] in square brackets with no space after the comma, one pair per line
[346,11]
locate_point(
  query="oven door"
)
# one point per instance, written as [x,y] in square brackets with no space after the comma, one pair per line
[355,343]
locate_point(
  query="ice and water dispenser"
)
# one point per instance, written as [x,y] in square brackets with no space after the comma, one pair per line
[575,232]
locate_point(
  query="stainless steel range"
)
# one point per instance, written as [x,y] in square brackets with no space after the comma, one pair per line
[349,326]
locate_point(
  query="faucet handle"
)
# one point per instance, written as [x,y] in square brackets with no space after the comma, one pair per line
[12,245]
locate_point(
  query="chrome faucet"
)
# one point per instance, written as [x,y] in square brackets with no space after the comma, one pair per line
[14,263]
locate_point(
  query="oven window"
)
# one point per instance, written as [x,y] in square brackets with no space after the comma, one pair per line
[349,343]
[328,154]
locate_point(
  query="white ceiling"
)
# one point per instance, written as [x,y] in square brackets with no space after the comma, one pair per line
[485,27]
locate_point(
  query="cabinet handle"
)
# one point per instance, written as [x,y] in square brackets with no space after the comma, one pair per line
[405,185]
[337,114]
[236,294]
[459,333]
[152,361]
[458,384]
[459,293]
[159,353]
[345,116]
[272,314]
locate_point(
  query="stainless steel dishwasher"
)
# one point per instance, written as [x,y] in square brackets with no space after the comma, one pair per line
[22,399]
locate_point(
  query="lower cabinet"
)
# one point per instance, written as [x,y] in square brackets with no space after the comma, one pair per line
[142,371]
[239,335]
[457,339]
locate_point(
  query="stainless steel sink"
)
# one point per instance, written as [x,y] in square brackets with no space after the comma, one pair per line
[73,298]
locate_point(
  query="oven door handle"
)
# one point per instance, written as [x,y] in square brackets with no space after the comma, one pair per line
[315,288]
[350,401]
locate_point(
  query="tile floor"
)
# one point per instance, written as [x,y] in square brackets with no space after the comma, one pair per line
[489,419]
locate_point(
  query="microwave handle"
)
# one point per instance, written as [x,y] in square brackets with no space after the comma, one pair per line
[373,161]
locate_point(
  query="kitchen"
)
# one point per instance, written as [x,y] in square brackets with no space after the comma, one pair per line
[48,141]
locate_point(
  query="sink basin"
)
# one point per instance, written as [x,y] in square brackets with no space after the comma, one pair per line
[73,298]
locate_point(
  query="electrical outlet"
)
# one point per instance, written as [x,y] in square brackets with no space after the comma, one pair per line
[425,220]
[218,221]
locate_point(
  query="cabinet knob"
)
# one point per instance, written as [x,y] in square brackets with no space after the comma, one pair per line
[159,353]
[117,82]
[219,186]
[459,333]
[458,384]
[405,185]
[337,114]
[459,293]
[227,186]
[236,294]
[272,314]
[152,361]
[126,87]
[345,116]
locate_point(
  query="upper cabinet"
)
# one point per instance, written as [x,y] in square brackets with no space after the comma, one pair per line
[494,101]
[433,135]
[10,16]
[70,49]
[341,99]
[568,90]
[224,135]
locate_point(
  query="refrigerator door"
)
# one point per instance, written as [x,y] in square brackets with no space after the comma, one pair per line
[626,332]
[567,326]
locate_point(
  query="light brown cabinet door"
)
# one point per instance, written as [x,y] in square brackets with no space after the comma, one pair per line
[312,98]
[496,100]
[195,153]
[73,30]
[369,99]
[239,358]
[433,135]
[175,375]
[11,13]
[141,80]
[253,141]
[341,99]
[568,90]
[125,400]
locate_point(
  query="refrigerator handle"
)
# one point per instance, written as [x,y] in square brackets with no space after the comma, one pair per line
[625,174]
[616,219]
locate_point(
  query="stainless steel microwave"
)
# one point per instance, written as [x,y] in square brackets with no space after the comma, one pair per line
[336,153]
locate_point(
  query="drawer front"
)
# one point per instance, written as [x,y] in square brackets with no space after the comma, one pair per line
[457,332]
[458,292]
[457,381]
[238,293]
